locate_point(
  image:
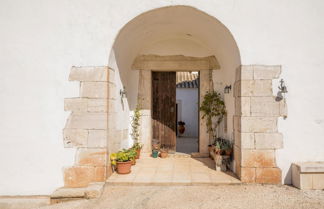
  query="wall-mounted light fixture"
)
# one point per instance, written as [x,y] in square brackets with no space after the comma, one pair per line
[122,93]
[282,91]
[227,89]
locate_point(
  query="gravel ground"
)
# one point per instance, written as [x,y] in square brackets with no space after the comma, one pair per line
[204,197]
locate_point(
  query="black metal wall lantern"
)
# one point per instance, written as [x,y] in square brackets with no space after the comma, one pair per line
[282,91]
[227,89]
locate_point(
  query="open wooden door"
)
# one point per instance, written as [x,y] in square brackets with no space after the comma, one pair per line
[164,108]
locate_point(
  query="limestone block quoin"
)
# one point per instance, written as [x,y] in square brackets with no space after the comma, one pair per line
[94,90]
[258,72]
[244,140]
[78,176]
[87,121]
[91,156]
[75,138]
[255,124]
[268,175]
[258,158]
[268,140]
[89,73]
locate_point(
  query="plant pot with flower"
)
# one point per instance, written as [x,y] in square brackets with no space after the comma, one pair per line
[181,127]
[164,152]
[132,155]
[123,162]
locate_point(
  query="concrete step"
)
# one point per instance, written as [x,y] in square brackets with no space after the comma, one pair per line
[64,194]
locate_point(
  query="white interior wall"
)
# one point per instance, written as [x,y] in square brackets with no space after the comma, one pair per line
[41,39]
[189,110]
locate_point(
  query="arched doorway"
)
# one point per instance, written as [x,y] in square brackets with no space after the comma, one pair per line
[176,38]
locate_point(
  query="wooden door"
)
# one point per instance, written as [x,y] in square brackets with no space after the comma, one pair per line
[164,109]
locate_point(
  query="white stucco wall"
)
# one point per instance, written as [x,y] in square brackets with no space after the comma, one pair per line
[40,40]
[188,112]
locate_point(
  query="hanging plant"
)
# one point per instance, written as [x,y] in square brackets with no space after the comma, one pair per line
[213,108]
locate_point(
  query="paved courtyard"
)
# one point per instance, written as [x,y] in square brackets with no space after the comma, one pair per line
[202,197]
[173,171]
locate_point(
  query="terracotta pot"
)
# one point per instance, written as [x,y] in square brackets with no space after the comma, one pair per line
[134,162]
[164,154]
[138,153]
[218,151]
[228,152]
[124,167]
[181,129]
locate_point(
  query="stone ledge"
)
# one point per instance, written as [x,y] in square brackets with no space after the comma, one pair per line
[310,167]
[94,190]
[308,175]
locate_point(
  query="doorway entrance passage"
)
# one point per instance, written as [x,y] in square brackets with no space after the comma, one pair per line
[175,113]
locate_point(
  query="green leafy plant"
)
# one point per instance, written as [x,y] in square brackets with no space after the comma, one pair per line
[132,153]
[213,109]
[135,128]
[123,156]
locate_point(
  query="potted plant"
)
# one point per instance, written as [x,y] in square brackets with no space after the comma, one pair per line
[123,162]
[132,155]
[155,150]
[137,147]
[227,147]
[213,110]
[181,127]
[164,152]
[135,131]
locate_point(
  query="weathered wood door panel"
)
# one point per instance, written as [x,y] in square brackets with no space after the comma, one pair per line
[164,108]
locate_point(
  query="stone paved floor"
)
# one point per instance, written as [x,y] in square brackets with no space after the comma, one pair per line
[173,171]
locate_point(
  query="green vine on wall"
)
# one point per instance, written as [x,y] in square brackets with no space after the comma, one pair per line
[213,108]
[136,125]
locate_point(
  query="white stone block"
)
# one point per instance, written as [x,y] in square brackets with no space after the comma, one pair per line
[97,105]
[87,121]
[242,106]
[94,90]
[255,88]
[89,74]
[75,104]
[255,124]
[244,72]
[268,140]
[75,138]
[266,71]
[97,138]
[244,140]
[264,106]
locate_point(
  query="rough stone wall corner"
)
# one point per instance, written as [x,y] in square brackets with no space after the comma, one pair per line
[255,124]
